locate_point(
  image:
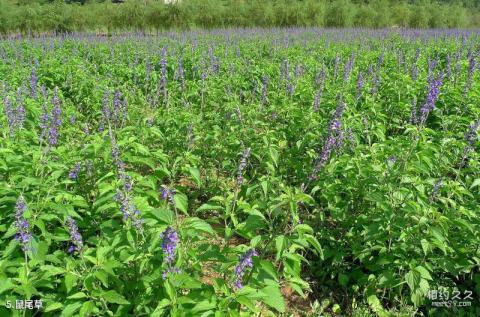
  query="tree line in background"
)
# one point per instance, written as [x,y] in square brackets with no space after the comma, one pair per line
[150,15]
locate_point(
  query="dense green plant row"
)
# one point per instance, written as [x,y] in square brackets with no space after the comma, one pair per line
[241,172]
[152,15]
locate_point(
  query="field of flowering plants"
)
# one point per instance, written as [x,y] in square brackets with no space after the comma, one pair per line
[280,172]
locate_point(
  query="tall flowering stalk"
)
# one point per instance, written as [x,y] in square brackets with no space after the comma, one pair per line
[360,84]
[317,99]
[436,188]
[470,138]
[414,112]
[375,83]
[333,142]
[242,166]
[15,115]
[433,93]
[128,209]
[33,84]
[169,247]
[335,67]
[55,119]
[123,196]
[168,194]
[244,263]
[115,112]
[73,174]
[348,68]
[163,75]
[265,81]
[23,227]
[76,242]
[9,114]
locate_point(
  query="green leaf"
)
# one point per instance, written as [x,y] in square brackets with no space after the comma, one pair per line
[195,173]
[246,302]
[314,243]
[181,202]
[475,183]
[273,298]
[77,295]
[269,269]
[5,284]
[115,298]
[280,245]
[53,306]
[413,279]
[423,272]
[87,309]
[70,309]
[166,216]
[198,224]
[70,281]
[425,246]
[208,207]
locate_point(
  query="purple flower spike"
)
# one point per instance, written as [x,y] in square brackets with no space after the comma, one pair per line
[23,227]
[242,166]
[433,93]
[169,248]
[334,141]
[74,172]
[168,193]
[245,262]
[75,236]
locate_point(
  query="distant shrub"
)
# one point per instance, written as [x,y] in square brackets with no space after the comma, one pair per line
[150,15]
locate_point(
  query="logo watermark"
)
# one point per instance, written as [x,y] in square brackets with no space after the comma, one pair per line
[449,299]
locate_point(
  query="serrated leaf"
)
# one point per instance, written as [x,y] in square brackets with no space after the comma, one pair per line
[181,202]
[273,298]
[115,298]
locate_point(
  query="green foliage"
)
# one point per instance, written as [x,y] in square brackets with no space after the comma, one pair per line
[368,229]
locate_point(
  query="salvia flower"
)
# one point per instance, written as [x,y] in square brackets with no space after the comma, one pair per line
[433,93]
[317,99]
[265,80]
[15,115]
[163,74]
[23,227]
[471,69]
[242,165]
[348,68]
[9,114]
[76,242]
[245,262]
[168,194]
[333,142]
[170,241]
[471,134]
[414,112]
[73,174]
[436,187]
[33,84]
[44,121]
[129,210]
[375,84]
[359,84]
[471,138]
